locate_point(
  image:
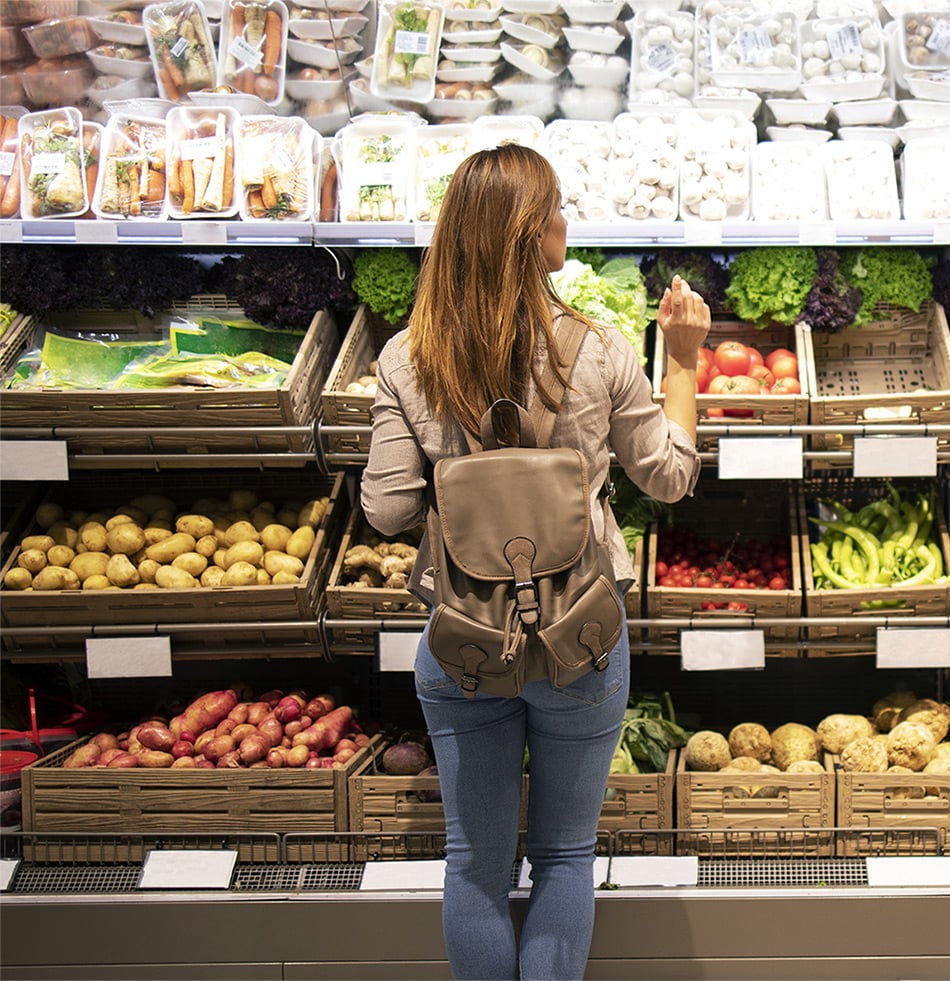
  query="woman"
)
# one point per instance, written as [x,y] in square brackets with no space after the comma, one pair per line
[482,328]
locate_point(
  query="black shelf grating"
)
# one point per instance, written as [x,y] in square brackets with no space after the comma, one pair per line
[258,877]
[40,879]
[333,877]
[745,873]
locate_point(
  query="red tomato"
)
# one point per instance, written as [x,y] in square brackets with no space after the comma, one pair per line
[785,367]
[704,356]
[779,352]
[702,378]
[755,355]
[734,385]
[762,375]
[736,606]
[786,386]
[777,582]
[714,412]
[732,358]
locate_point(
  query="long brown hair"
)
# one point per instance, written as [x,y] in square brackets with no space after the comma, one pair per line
[484,296]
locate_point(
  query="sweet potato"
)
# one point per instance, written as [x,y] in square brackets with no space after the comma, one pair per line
[205,712]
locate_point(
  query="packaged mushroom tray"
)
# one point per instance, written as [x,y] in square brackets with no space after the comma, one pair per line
[788,183]
[714,150]
[755,51]
[580,151]
[862,182]
[277,159]
[644,170]
[842,58]
[662,57]
[926,179]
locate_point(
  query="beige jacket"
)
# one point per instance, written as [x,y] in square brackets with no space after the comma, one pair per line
[609,406]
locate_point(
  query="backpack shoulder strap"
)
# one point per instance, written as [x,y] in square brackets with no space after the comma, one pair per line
[570,335]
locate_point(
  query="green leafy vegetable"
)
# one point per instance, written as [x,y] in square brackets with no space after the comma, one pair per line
[385,280]
[647,735]
[770,284]
[634,510]
[887,275]
[702,271]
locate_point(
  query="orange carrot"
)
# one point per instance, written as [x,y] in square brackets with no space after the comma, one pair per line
[10,202]
[237,20]
[272,33]
[174,75]
[188,186]
[255,203]
[328,194]
[228,173]
[90,140]
[135,196]
[156,186]
[268,194]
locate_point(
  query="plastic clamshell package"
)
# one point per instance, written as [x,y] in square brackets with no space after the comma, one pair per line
[181,47]
[118,31]
[32,11]
[252,49]
[797,134]
[788,183]
[60,37]
[437,151]
[602,38]
[865,112]
[862,182]
[408,36]
[125,60]
[131,182]
[242,103]
[472,10]
[599,70]
[755,51]
[924,39]
[590,102]
[474,55]
[304,89]
[458,110]
[787,112]
[152,107]
[107,88]
[662,56]
[925,179]
[199,160]
[714,153]
[543,29]
[540,63]
[52,177]
[326,28]
[460,33]
[62,82]
[9,153]
[491,131]
[580,152]
[323,54]
[275,168]
[374,156]
[643,173]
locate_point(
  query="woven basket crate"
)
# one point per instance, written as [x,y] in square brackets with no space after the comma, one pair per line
[718,510]
[229,411]
[891,800]
[928,600]
[896,368]
[94,491]
[748,804]
[766,410]
[364,339]
[100,800]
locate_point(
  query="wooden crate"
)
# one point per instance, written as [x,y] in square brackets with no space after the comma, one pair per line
[718,510]
[930,600]
[92,491]
[13,341]
[876,801]
[640,802]
[753,806]
[364,339]
[894,369]
[767,410]
[232,412]
[99,800]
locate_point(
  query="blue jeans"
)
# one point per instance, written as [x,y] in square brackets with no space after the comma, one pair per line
[479,744]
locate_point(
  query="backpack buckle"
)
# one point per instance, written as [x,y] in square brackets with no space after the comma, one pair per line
[526,602]
[590,637]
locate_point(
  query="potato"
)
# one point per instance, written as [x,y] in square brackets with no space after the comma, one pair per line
[301,541]
[32,559]
[263,577]
[97,581]
[138,515]
[167,550]
[191,562]
[18,578]
[85,755]
[275,562]
[171,577]
[118,519]
[312,513]
[147,569]
[55,577]
[284,578]
[48,513]
[156,735]
[261,517]
[207,545]
[43,542]
[92,536]
[125,538]
[155,759]
[60,555]
[242,500]
[244,551]
[120,571]
[150,503]
[196,525]
[156,531]
[240,574]
[89,564]
[274,537]
[287,516]
[218,557]
[145,585]
[240,531]
[212,576]
[64,533]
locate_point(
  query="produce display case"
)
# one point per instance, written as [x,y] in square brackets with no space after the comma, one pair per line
[105,607]
[900,604]
[640,802]
[895,368]
[344,401]
[232,412]
[750,410]
[713,512]
[140,801]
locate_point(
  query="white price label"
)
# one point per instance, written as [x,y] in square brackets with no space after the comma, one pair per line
[939,39]
[8,867]
[912,647]
[661,58]
[895,456]
[97,232]
[843,40]
[47,163]
[760,458]
[246,54]
[753,41]
[7,159]
[654,870]
[129,657]
[204,233]
[601,872]
[200,147]
[403,876]
[397,649]
[34,459]
[699,232]
[199,868]
[411,42]
[722,650]
[910,870]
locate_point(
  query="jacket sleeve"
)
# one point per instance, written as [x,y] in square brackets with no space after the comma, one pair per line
[392,492]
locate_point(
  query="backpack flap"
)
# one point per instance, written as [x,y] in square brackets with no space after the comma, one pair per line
[485,500]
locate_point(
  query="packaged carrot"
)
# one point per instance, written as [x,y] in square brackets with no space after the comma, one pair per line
[132,169]
[253,48]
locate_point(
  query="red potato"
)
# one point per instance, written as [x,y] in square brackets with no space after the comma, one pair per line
[271,730]
[183,748]
[105,740]
[289,708]
[155,735]
[202,741]
[292,728]
[124,761]
[218,746]
[272,697]
[240,712]
[345,743]
[85,755]
[108,755]
[242,731]
[205,712]
[327,731]
[230,761]
[275,758]
[297,756]
[257,712]
[225,727]
[155,759]
[341,756]
[361,739]
[184,763]
[203,764]
[253,748]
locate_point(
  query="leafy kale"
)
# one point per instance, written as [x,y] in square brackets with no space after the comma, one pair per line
[701,270]
[385,280]
[832,302]
[770,283]
[592,256]
[900,276]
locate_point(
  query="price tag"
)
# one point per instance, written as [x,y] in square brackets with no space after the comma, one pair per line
[97,232]
[11,231]
[942,233]
[128,657]
[913,647]
[910,870]
[816,233]
[702,232]
[601,872]
[895,456]
[397,649]
[422,233]
[204,233]
[199,868]
[760,457]
[34,459]
[8,867]
[722,650]
[403,876]
[654,870]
